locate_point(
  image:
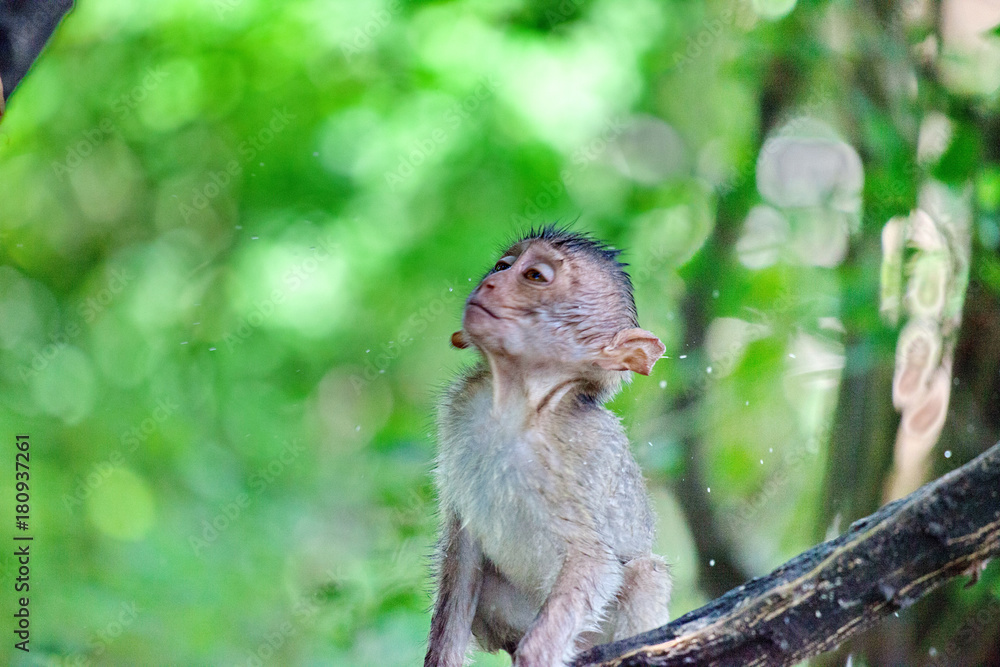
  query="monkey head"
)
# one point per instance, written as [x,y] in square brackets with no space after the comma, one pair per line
[559,300]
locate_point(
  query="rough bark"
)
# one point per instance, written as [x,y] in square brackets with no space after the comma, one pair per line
[883,563]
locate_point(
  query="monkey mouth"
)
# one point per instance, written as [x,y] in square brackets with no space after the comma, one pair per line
[483,308]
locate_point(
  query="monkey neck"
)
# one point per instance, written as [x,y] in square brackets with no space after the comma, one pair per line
[528,389]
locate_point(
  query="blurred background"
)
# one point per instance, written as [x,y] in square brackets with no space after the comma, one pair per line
[235,237]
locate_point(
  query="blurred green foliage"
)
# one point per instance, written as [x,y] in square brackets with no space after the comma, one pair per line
[236,237]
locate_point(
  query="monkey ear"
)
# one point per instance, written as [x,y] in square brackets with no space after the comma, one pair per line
[632,350]
[459,340]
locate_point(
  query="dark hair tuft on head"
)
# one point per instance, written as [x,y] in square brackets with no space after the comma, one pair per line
[564,237]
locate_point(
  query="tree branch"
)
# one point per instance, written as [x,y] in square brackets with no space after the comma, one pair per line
[812,603]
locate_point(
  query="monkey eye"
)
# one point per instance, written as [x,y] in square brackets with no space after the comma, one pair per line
[539,273]
[503,264]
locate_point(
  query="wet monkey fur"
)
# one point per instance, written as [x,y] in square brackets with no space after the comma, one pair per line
[547,530]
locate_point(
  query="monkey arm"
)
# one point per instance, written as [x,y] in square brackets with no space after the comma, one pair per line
[459,583]
[589,578]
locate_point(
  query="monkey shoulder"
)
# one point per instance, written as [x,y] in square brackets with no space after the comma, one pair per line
[608,476]
[588,433]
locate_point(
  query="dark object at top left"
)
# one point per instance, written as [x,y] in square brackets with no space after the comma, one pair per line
[25,27]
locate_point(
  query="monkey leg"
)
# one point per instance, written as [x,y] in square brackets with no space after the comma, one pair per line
[586,584]
[643,597]
[459,583]
[504,612]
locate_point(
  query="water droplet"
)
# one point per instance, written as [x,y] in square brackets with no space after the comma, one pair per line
[184,342]
[683,356]
[211,349]
[947,453]
[715,294]
[791,356]
[819,614]
[663,384]
[709,489]
[708,370]
[711,563]
[358,427]
[762,461]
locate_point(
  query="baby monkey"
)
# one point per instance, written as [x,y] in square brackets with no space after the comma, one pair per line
[546,525]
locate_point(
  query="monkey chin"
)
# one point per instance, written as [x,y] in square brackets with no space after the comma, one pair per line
[485,330]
